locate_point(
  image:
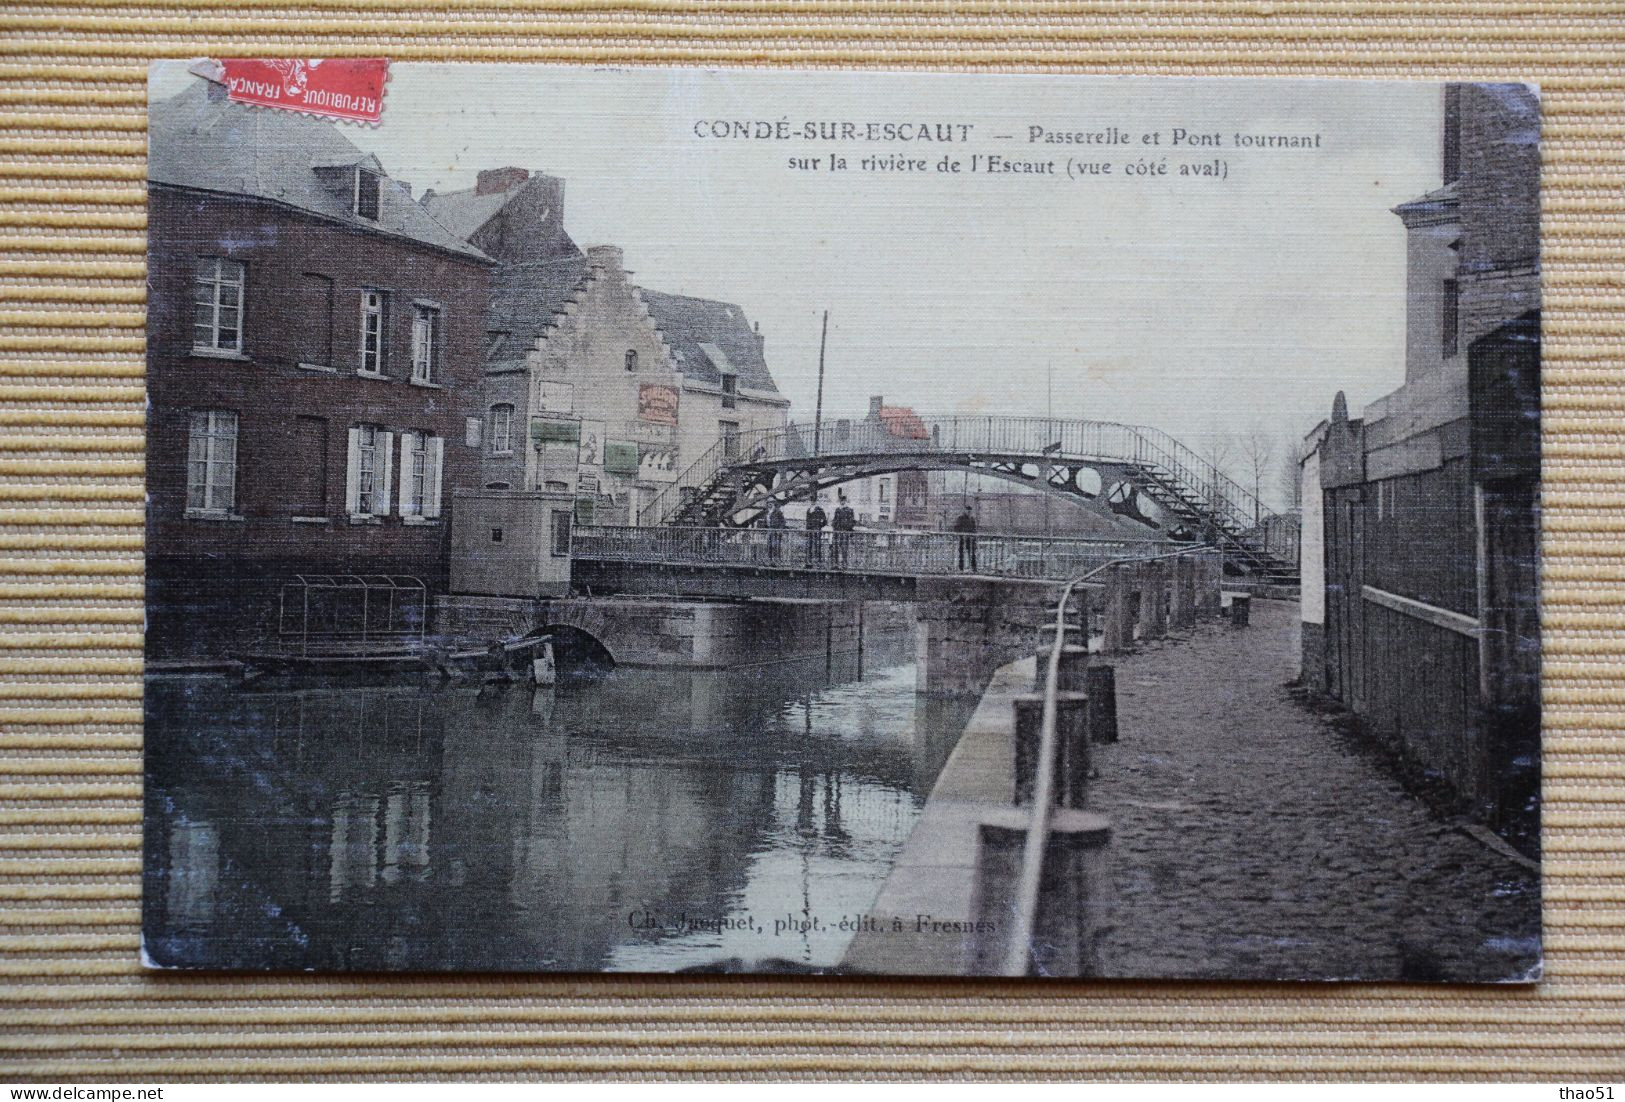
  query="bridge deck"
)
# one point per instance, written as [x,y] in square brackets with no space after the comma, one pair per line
[881,555]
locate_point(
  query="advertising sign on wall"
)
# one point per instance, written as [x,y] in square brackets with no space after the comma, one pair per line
[657,403]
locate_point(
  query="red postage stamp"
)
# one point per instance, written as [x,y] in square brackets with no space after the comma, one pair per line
[342,87]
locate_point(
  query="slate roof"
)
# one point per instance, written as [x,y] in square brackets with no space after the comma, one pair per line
[708,337]
[200,139]
[464,212]
[526,297]
[1437,201]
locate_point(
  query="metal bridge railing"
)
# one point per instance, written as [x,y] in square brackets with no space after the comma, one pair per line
[1018,950]
[898,552]
[1149,449]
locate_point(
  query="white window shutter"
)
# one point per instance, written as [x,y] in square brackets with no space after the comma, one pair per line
[408,443]
[436,447]
[386,464]
[352,474]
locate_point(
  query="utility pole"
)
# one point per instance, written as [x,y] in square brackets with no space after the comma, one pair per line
[1049,412]
[818,409]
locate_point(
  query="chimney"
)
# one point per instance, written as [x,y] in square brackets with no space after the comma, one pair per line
[404,186]
[492,181]
[874,407]
[606,256]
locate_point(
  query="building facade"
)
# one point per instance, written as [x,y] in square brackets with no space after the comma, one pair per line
[313,367]
[897,500]
[596,386]
[1426,557]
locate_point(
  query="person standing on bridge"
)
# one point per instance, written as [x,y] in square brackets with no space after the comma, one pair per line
[775,531]
[815,533]
[965,525]
[845,521]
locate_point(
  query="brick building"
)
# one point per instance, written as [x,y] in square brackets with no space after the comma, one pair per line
[1420,549]
[897,500]
[313,361]
[596,386]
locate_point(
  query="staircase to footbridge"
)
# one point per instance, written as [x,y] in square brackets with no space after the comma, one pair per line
[1121,471]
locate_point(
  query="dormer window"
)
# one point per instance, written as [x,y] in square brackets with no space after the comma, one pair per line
[730,390]
[631,359]
[367,188]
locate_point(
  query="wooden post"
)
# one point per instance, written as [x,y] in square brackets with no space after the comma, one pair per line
[1209,578]
[1119,622]
[1182,604]
[1153,598]
[1240,609]
[1071,747]
[1102,693]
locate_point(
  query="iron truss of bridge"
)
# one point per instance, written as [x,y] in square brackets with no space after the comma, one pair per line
[1116,470]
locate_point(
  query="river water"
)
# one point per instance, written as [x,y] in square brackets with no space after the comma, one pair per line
[653,820]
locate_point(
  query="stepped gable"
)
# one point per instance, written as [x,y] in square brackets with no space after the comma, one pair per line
[528,298]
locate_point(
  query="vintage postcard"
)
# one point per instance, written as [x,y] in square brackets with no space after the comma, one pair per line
[668,520]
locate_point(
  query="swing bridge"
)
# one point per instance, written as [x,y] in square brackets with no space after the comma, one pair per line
[709,523]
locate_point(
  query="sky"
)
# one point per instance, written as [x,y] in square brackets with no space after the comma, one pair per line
[1200,306]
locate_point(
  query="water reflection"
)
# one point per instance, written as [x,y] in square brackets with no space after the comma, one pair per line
[652,821]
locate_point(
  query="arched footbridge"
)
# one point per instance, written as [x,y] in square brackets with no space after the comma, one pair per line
[1117,470]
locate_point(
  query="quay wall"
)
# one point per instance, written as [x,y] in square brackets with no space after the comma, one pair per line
[674,633]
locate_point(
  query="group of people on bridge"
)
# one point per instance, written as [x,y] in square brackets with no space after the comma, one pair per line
[842,525]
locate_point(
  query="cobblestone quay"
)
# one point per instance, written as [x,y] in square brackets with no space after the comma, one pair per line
[1253,839]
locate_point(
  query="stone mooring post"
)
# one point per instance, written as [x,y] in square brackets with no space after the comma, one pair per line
[1074,662]
[1071,747]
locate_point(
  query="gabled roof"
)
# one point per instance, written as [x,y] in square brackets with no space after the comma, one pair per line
[1438,205]
[526,297]
[708,338]
[464,212]
[903,421]
[200,139]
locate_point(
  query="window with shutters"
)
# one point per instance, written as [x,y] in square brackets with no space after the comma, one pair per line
[367,480]
[217,318]
[374,304]
[425,344]
[211,468]
[422,456]
[367,470]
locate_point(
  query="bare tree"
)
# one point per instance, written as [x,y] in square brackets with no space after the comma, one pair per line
[1216,448]
[1257,448]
